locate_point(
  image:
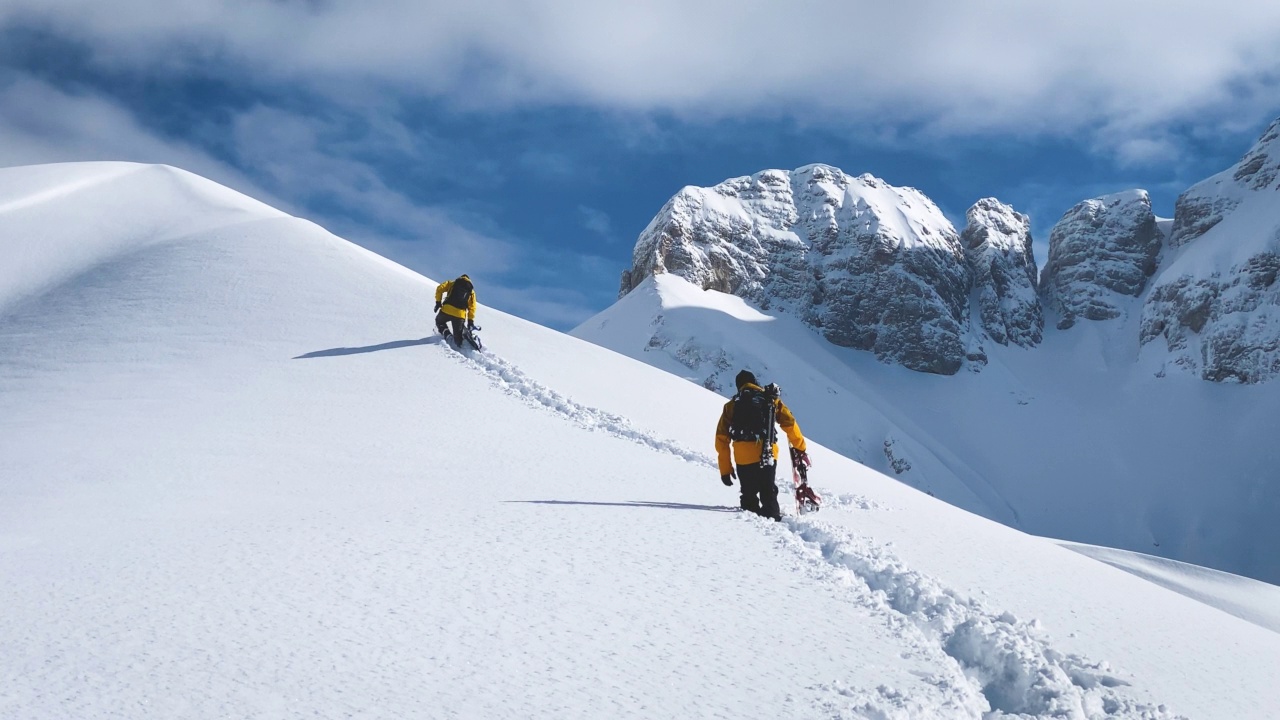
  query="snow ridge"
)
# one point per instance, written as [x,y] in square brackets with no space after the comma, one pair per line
[992,664]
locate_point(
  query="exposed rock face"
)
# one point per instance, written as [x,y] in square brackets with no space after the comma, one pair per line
[1217,303]
[888,269]
[1226,327]
[997,249]
[1101,253]
[728,238]
[870,265]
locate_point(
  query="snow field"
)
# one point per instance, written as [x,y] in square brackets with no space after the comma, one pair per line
[240,478]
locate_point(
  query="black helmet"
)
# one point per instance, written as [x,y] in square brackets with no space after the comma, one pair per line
[745,377]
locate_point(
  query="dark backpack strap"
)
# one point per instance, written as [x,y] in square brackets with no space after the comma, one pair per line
[745,421]
[460,294]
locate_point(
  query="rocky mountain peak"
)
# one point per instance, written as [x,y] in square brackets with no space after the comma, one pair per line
[997,249]
[1101,253]
[1259,169]
[867,264]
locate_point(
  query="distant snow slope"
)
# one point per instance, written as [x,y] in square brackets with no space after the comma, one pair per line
[240,478]
[1073,440]
[1255,601]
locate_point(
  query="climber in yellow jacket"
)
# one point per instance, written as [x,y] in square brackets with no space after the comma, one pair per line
[746,426]
[455,301]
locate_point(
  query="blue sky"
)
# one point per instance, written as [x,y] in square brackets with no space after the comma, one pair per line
[529,143]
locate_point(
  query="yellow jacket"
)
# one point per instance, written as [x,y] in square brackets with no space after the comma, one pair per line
[749,453]
[469,313]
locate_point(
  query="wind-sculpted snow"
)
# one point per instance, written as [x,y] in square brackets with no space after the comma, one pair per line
[997,247]
[1101,254]
[990,664]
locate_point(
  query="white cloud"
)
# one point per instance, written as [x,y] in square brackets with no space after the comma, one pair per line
[42,124]
[957,67]
[597,221]
[1140,151]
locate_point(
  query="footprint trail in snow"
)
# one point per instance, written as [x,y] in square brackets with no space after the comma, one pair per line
[989,664]
[514,382]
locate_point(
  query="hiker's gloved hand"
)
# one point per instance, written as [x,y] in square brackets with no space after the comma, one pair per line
[726,478]
[800,457]
[471,324]
[437,307]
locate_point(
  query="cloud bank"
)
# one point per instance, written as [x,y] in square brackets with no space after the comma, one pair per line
[956,67]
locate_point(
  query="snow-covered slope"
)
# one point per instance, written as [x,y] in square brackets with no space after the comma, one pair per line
[1073,439]
[1086,430]
[239,478]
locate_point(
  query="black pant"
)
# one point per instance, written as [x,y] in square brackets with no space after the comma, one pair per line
[442,318]
[759,492]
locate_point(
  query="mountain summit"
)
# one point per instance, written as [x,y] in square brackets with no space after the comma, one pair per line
[867,264]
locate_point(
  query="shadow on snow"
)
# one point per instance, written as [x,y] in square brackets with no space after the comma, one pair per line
[632,504]
[334,352]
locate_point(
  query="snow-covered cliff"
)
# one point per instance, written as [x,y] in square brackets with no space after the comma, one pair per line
[1215,303]
[869,265]
[1101,254]
[997,249]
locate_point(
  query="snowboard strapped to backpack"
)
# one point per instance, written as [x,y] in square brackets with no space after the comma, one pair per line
[754,412]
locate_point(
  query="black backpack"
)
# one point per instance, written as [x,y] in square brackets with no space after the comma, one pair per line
[460,293]
[753,414]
